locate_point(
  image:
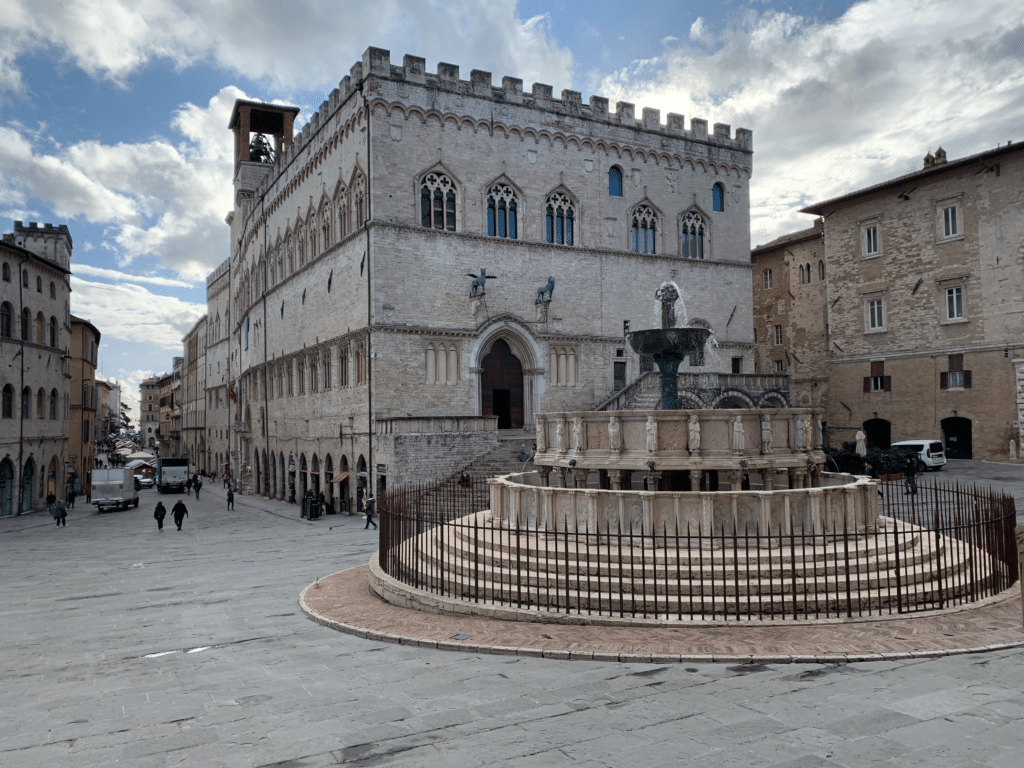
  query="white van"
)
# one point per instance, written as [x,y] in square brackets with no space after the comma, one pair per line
[930,452]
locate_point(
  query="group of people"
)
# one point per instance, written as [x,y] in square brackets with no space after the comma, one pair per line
[193,484]
[179,512]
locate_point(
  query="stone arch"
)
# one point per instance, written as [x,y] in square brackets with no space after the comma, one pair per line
[520,345]
[733,398]
[773,398]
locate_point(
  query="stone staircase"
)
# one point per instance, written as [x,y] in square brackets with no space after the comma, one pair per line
[688,578]
[505,458]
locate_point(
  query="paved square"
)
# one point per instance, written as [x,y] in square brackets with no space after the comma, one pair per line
[126,646]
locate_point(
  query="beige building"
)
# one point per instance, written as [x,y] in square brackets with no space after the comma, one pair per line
[84,400]
[218,404]
[193,392]
[790,313]
[166,387]
[34,339]
[149,412]
[924,293]
[359,307]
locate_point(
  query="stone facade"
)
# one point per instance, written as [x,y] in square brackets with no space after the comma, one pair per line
[84,399]
[218,404]
[149,412]
[924,293]
[790,312]
[34,340]
[193,391]
[355,248]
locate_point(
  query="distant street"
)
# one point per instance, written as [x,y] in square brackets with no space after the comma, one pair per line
[126,646]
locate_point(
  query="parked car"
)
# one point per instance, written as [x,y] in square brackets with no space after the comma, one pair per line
[930,453]
[144,482]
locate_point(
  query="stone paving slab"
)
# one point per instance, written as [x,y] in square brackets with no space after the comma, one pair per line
[343,601]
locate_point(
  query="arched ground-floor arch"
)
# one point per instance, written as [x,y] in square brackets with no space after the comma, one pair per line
[508,378]
[957,435]
[879,432]
[6,488]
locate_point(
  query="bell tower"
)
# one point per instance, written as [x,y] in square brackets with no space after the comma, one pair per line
[261,132]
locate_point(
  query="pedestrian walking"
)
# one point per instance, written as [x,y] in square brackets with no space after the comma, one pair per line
[180,512]
[225,479]
[231,499]
[188,486]
[910,477]
[196,485]
[160,513]
[60,514]
[51,499]
[71,498]
[370,506]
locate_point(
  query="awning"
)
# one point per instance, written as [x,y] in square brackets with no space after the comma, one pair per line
[339,477]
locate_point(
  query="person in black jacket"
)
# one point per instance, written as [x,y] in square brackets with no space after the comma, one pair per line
[910,476]
[180,512]
[160,513]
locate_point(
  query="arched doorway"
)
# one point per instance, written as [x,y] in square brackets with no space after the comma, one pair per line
[28,477]
[6,488]
[329,481]
[501,386]
[879,432]
[314,475]
[51,477]
[957,433]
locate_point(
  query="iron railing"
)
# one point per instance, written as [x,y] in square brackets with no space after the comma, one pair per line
[945,546]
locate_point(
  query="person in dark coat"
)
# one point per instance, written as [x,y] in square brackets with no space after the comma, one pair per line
[180,512]
[910,476]
[231,499]
[60,514]
[71,499]
[160,513]
[196,485]
[188,486]
[370,506]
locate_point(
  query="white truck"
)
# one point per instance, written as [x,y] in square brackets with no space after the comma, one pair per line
[114,489]
[171,474]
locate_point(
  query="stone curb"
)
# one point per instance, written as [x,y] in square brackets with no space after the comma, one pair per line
[640,658]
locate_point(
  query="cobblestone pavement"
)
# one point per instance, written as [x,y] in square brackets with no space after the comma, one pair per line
[126,646]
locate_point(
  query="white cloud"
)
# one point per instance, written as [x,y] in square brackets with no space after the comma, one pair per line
[697,29]
[112,39]
[114,274]
[132,313]
[155,198]
[840,105]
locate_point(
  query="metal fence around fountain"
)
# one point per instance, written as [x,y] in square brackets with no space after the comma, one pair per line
[435,538]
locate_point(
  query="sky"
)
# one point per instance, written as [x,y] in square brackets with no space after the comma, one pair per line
[113,113]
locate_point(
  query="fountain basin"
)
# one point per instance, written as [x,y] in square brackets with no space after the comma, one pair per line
[671,343]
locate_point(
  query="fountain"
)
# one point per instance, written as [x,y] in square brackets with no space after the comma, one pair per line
[667,516]
[668,345]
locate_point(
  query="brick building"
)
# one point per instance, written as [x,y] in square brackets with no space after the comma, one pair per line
[924,295]
[790,313]
[84,399]
[352,315]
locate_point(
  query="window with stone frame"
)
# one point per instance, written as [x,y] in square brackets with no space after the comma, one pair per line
[314,373]
[53,332]
[41,403]
[718,198]
[693,236]
[24,278]
[325,227]
[289,372]
[53,404]
[39,284]
[327,369]
[438,202]
[870,243]
[643,234]
[343,355]
[26,324]
[878,381]
[6,319]
[560,220]
[26,402]
[7,272]
[955,377]
[359,212]
[360,362]
[502,212]
[954,304]
[615,181]
[7,409]
[766,279]
[341,206]
[778,335]
[821,270]
[564,366]
[300,374]
[875,314]
[948,219]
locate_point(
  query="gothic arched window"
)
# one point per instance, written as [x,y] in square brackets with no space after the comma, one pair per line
[53,291]
[26,324]
[643,230]
[560,220]
[53,404]
[615,181]
[502,212]
[693,234]
[718,198]
[7,272]
[5,320]
[437,202]
[53,331]
[8,402]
